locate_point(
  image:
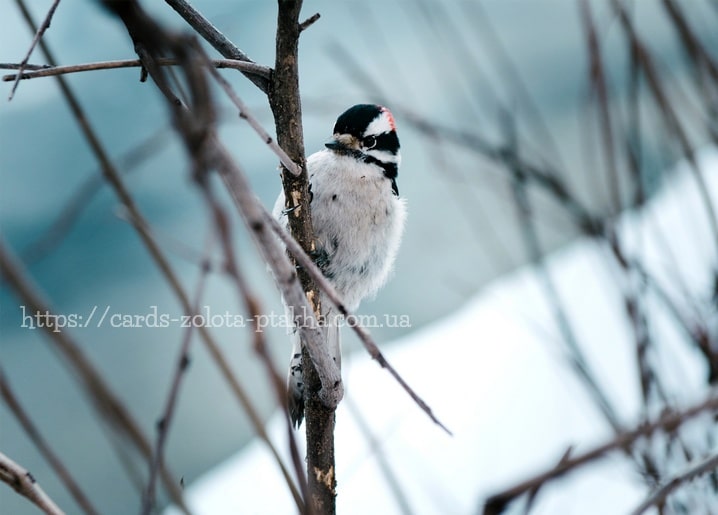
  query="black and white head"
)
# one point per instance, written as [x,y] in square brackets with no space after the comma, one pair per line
[367,132]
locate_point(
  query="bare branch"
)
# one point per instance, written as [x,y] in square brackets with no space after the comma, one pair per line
[669,421]
[49,71]
[598,83]
[576,356]
[252,305]
[24,484]
[644,60]
[33,433]
[215,38]
[285,101]
[195,126]
[38,34]
[17,66]
[694,470]
[309,22]
[247,115]
[101,396]
[166,418]
[140,225]
[58,229]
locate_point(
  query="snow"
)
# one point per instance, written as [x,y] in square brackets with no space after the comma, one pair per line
[495,374]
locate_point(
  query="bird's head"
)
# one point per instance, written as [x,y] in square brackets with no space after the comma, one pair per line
[368,132]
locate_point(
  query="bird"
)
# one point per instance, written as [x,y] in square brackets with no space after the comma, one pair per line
[358,219]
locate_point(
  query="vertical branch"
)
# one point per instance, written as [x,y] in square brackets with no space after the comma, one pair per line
[285,102]
[599,86]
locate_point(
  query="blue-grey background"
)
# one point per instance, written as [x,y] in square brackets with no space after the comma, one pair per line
[462,229]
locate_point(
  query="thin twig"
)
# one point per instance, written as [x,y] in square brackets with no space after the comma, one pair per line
[645,61]
[535,253]
[490,40]
[183,361]
[50,71]
[693,471]
[669,421]
[38,34]
[215,38]
[25,484]
[80,199]
[107,404]
[42,445]
[309,22]
[598,83]
[112,176]
[247,115]
[16,66]
[385,465]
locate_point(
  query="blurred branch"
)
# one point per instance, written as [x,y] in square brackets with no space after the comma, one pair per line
[693,471]
[195,126]
[253,308]
[24,484]
[35,40]
[492,43]
[50,71]
[383,463]
[141,226]
[33,433]
[699,56]
[645,61]
[80,199]
[105,402]
[535,253]
[599,87]
[183,361]
[669,421]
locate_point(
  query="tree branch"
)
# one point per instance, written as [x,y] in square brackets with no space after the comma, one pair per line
[215,38]
[101,396]
[35,40]
[670,421]
[33,433]
[183,361]
[24,484]
[285,102]
[248,68]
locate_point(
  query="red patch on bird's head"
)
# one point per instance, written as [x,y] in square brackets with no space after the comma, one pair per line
[390,117]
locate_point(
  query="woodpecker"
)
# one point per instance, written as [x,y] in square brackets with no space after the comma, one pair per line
[358,220]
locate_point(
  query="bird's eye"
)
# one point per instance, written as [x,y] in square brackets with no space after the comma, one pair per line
[369,142]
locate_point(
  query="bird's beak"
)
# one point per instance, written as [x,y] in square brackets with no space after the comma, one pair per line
[335,145]
[342,143]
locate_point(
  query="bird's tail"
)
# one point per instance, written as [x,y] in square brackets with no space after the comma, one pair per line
[295,379]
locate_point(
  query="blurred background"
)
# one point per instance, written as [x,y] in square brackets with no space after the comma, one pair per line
[501,119]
